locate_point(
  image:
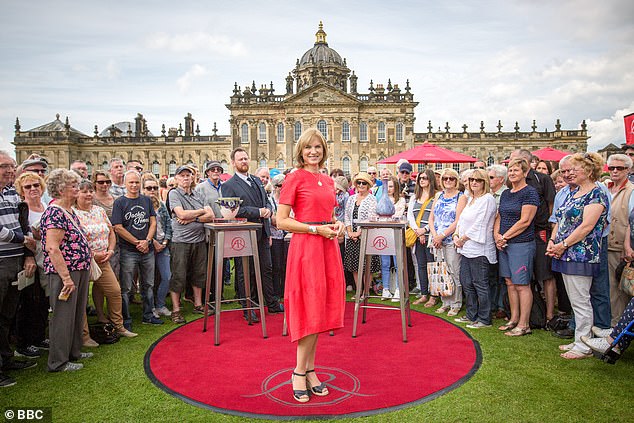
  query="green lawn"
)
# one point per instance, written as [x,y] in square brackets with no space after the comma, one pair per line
[520,380]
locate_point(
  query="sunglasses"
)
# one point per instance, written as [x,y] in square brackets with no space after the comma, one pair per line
[423,178]
[449,178]
[139,168]
[371,173]
[106,182]
[492,177]
[171,185]
[478,180]
[405,172]
[28,187]
[152,188]
[36,170]
[216,169]
[619,168]
[278,186]
[362,183]
[630,154]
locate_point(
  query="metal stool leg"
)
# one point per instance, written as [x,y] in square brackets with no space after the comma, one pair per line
[220,240]
[401,264]
[210,257]
[258,281]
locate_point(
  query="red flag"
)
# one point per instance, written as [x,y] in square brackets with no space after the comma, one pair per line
[629,128]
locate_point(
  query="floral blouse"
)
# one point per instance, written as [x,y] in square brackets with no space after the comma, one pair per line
[96,226]
[569,217]
[74,246]
[445,214]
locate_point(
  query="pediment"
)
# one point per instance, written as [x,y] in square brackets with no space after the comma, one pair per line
[322,94]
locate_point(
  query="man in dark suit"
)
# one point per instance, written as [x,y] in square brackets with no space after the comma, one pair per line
[254,208]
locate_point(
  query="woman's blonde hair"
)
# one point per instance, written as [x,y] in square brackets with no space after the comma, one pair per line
[480,174]
[304,140]
[449,172]
[19,181]
[156,203]
[592,163]
[521,162]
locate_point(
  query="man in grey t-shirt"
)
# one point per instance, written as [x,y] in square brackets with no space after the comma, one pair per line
[188,247]
[210,187]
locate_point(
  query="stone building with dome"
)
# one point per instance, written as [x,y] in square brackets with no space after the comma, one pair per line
[320,91]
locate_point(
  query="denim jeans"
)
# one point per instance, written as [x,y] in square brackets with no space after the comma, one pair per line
[600,291]
[129,261]
[386,262]
[163,266]
[423,256]
[474,274]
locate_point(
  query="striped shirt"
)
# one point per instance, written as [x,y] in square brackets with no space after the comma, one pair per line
[11,236]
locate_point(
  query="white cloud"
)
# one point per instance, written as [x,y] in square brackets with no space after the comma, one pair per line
[184,82]
[200,42]
[609,130]
[112,69]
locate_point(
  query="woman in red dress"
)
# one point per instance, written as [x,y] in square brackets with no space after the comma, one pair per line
[314,297]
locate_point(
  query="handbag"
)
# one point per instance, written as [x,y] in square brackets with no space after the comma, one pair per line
[95,270]
[627,280]
[410,235]
[103,333]
[440,281]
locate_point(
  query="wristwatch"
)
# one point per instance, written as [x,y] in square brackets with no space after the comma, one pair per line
[312,229]
[564,243]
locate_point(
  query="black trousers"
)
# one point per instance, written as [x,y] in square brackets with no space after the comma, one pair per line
[279,253]
[31,318]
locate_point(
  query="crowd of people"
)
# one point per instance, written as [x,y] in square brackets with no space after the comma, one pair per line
[510,234]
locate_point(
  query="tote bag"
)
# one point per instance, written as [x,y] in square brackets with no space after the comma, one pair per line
[440,282]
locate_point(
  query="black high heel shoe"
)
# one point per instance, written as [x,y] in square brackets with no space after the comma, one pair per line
[300,395]
[320,390]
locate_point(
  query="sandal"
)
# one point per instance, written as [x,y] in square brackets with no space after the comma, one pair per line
[508,326]
[432,302]
[421,300]
[575,355]
[442,309]
[300,395]
[518,331]
[320,390]
[567,347]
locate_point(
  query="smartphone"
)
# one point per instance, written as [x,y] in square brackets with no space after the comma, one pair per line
[63,296]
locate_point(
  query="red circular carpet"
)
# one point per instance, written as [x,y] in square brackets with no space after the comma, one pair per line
[375,372]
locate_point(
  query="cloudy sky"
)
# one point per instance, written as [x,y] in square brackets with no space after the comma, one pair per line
[101,62]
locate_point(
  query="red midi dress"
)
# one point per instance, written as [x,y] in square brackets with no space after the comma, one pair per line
[315,290]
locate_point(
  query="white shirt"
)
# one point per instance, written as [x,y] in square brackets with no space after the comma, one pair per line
[476,223]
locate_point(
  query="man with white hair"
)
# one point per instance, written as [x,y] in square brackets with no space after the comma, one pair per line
[80,167]
[621,207]
[117,189]
[497,180]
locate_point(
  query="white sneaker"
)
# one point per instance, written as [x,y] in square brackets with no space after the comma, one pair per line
[396,298]
[72,367]
[478,325]
[155,313]
[601,333]
[127,334]
[163,311]
[600,345]
[463,319]
[386,294]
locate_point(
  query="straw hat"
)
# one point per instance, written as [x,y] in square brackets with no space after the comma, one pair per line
[341,183]
[362,176]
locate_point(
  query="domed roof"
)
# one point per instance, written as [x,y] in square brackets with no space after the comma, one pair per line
[321,53]
[122,128]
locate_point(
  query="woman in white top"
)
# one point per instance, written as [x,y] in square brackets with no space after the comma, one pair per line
[475,242]
[399,206]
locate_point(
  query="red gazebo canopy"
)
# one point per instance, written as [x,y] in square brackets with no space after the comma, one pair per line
[429,153]
[550,154]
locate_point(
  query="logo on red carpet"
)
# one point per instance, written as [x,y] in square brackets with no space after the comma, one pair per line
[238,244]
[380,243]
[341,384]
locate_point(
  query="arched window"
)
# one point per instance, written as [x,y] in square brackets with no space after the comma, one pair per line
[323,128]
[171,169]
[399,131]
[89,168]
[263,162]
[381,132]
[262,132]
[298,130]
[244,133]
[156,168]
[490,161]
[105,165]
[281,165]
[363,132]
[363,164]
[225,166]
[345,165]
[345,131]
[280,132]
